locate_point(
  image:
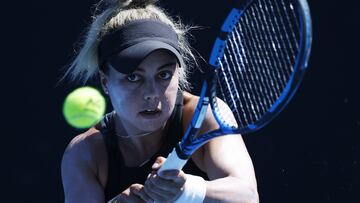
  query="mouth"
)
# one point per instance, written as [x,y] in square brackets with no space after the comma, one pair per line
[149,113]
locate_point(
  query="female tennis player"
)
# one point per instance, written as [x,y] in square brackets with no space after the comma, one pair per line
[142,57]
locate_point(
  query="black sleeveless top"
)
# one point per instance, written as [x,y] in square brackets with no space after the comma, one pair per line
[120,177]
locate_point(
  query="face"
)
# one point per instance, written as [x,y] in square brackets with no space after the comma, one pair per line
[144,99]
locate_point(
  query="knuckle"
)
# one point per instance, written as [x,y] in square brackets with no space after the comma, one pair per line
[150,182]
[160,159]
[133,186]
[155,181]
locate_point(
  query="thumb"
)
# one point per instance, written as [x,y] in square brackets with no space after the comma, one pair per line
[158,162]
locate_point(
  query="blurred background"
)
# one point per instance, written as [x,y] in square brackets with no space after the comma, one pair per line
[309,153]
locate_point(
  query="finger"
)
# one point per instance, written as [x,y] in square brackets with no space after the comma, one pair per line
[121,198]
[135,187]
[141,194]
[177,176]
[154,172]
[153,195]
[164,185]
[169,174]
[158,162]
[156,193]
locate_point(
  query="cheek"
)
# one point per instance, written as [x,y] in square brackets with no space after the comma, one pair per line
[120,99]
[171,95]
[174,83]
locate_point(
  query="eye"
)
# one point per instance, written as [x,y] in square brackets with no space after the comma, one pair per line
[133,77]
[165,75]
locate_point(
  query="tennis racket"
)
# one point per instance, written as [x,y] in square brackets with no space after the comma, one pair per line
[256,65]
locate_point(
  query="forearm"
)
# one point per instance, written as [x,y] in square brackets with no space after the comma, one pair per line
[231,189]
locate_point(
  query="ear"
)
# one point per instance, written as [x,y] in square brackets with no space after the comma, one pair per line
[104,81]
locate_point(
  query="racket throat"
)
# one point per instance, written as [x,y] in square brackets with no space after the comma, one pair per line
[179,151]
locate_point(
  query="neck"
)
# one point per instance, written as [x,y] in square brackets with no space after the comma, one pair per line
[142,145]
[132,133]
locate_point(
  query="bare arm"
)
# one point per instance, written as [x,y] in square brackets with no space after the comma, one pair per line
[228,165]
[78,175]
[230,170]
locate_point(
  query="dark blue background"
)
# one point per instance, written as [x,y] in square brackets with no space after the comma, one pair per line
[310,153]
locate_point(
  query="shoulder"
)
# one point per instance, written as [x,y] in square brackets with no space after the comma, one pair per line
[190,99]
[209,123]
[85,141]
[85,148]
[220,155]
[80,168]
[190,104]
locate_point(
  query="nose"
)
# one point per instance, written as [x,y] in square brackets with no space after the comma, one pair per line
[150,91]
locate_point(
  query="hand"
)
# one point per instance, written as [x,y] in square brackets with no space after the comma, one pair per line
[133,194]
[166,186]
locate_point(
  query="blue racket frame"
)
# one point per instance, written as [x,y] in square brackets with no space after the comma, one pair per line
[190,141]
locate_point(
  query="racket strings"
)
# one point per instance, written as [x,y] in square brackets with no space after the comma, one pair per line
[276,48]
[261,58]
[258,59]
[234,46]
[273,55]
[230,99]
[282,32]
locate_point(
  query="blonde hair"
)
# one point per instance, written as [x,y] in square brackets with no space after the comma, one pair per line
[116,14]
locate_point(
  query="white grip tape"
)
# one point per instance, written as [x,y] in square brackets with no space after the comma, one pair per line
[173,162]
[194,190]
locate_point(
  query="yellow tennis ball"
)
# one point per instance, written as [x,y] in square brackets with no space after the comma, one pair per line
[84,107]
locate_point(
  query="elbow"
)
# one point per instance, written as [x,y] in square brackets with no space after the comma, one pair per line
[252,195]
[249,194]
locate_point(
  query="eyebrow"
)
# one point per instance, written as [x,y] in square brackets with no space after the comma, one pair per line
[161,67]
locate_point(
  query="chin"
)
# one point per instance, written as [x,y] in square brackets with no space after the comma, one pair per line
[152,124]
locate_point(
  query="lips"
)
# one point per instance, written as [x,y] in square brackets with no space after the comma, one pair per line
[150,113]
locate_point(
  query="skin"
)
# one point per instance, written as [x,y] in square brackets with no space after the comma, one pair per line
[154,85]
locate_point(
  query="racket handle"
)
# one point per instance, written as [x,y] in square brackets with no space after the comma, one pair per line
[173,162]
